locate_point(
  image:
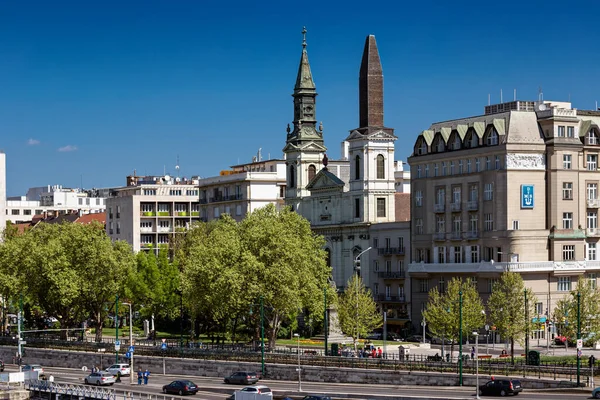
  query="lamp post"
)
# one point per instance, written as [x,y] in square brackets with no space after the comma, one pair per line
[262,334]
[460,354]
[476,334]
[116,327]
[578,337]
[357,270]
[526,328]
[299,370]
[325,322]
[487,334]
[131,368]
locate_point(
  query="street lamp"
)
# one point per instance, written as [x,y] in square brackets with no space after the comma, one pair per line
[476,334]
[130,343]
[487,334]
[299,370]
[526,328]
[460,354]
[357,270]
[578,337]
[262,334]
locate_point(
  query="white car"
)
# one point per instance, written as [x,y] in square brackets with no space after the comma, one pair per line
[122,369]
[100,378]
[258,389]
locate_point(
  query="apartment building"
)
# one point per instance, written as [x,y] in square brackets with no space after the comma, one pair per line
[513,189]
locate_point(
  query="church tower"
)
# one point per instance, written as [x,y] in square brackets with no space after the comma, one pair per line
[371,146]
[304,146]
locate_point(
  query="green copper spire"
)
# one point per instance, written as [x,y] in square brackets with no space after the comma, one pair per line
[304,79]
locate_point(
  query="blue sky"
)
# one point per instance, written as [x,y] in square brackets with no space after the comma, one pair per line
[90,91]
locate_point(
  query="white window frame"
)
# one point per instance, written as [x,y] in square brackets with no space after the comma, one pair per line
[567,220]
[563,284]
[568,252]
[567,161]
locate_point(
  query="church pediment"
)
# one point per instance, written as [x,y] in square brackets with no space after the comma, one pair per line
[325,179]
[355,135]
[382,135]
[309,147]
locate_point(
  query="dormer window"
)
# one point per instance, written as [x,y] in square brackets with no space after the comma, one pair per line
[440,147]
[492,138]
[421,148]
[591,137]
[455,143]
[471,140]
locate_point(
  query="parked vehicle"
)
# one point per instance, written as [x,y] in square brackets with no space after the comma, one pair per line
[256,389]
[33,367]
[596,393]
[560,340]
[417,339]
[100,378]
[181,387]
[316,397]
[501,387]
[242,378]
[122,369]
[1,366]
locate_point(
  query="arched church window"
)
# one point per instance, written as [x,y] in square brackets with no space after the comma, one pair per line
[380,167]
[357,167]
[292,177]
[312,171]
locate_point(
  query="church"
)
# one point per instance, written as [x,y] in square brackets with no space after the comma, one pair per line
[353,202]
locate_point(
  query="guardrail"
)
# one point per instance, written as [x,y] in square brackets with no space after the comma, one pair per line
[54,390]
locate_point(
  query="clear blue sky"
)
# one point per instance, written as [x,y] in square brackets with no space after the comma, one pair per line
[90,91]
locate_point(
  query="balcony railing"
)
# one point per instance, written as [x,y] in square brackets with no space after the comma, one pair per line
[593,203]
[392,275]
[455,235]
[471,235]
[148,213]
[439,208]
[203,201]
[455,206]
[439,236]
[146,230]
[592,232]
[182,213]
[388,251]
[395,299]
[472,205]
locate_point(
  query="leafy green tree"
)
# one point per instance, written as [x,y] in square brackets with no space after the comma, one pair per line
[565,314]
[442,313]
[507,308]
[357,310]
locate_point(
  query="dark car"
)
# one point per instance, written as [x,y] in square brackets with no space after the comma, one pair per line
[501,388]
[181,387]
[242,378]
[316,397]
[417,339]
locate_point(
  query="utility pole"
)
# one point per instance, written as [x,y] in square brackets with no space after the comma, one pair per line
[578,337]
[20,339]
[262,335]
[526,329]
[460,337]
[116,328]
[325,325]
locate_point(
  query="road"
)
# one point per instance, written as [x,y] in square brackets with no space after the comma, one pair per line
[215,389]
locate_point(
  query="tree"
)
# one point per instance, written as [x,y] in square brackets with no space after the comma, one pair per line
[357,310]
[565,313]
[442,313]
[507,308]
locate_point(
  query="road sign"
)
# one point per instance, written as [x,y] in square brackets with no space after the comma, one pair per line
[579,344]
[487,327]
[163,346]
[22,342]
[117,345]
[117,342]
[128,355]
[164,340]
[579,353]
[131,349]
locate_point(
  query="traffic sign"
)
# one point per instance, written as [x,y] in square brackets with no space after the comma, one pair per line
[163,346]
[131,349]
[128,355]
[487,327]
[164,340]
[117,345]
[118,342]
[579,344]
[579,353]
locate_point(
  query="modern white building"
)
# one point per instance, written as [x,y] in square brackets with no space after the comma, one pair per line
[54,199]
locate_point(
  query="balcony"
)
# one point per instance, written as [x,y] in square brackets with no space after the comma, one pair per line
[455,235]
[146,229]
[388,251]
[203,201]
[182,213]
[439,208]
[472,205]
[148,213]
[392,275]
[163,213]
[390,299]
[439,236]
[163,229]
[471,235]
[455,207]
[593,203]
[592,232]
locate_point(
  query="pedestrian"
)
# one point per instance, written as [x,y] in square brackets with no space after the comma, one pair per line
[379,352]
[473,353]
[373,352]
[146,376]
[140,376]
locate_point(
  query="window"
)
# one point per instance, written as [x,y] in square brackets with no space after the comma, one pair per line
[376,288]
[312,171]
[145,224]
[118,227]
[435,169]
[591,137]
[564,284]
[567,191]
[357,207]
[492,138]
[456,194]
[592,220]
[444,171]
[491,283]
[380,167]
[118,211]
[418,171]
[26,212]
[451,167]
[477,165]
[164,223]
[440,196]
[110,213]
[468,166]
[592,280]
[380,207]
[457,254]
[423,285]
[15,212]
[592,191]
[456,223]
[566,161]
[567,222]
[419,226]
[441,254]
[238,210]
[376,243]
[497,162]
[473,222]
[292,178]
[591,251]
[147,207]
[427,171]
[568,252]
[592,162]
[175,192]
[488,222]
[488,164]
[216,212]
[473,193]
[570,131]
[442,285]
[421,147]
[163,207]
[488,191]
[400,242]
[80,201]
[460,166]
[474,254]
[456,143]
[561,131]
[515,225]
[388,266]
[539,308]
[376,265]
[440,224]
[418,198]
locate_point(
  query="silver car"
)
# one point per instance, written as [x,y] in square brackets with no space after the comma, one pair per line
[100,379]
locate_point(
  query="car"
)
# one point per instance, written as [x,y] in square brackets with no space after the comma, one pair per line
[242,378]
[33,367]
[438,340]
[501,387]
[122,369]
[417,339]
[181,387]
[100,378]
[596,393]
[316,397]
[1,366]
[257,389]
[561,340]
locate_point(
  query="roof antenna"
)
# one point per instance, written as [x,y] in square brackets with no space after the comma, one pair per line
[540,94]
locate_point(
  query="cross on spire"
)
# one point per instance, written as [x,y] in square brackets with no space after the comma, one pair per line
[304,37]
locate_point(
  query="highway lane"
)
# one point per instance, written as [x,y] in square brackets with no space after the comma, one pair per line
[216,389]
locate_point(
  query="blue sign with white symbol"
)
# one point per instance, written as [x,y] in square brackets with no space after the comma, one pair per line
[131,349]
[117,343]
[128,355]
[527,200]
[163,346]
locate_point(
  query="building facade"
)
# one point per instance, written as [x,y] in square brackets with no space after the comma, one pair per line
[513,189]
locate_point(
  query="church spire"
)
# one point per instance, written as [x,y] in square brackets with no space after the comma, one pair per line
[304,81]
[370,91]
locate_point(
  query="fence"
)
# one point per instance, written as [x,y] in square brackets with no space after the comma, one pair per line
[55,391]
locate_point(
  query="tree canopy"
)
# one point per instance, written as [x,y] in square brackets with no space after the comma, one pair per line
[565,314]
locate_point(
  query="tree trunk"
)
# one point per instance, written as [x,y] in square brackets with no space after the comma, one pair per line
[99,326]
[512,350]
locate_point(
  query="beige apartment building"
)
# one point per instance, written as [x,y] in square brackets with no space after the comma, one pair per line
[513,189]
